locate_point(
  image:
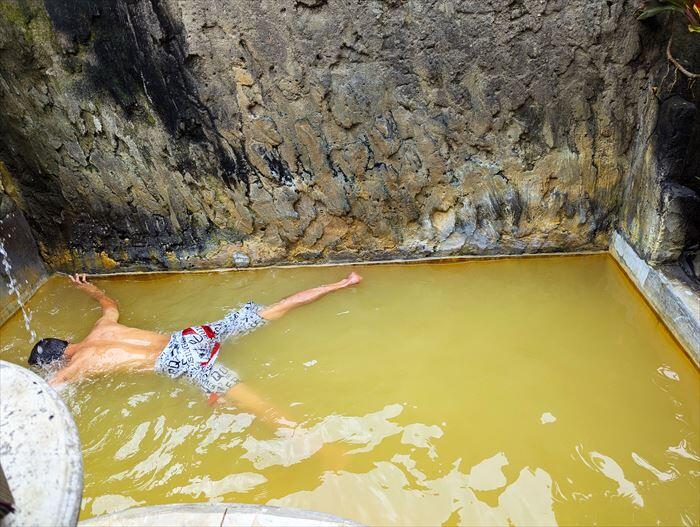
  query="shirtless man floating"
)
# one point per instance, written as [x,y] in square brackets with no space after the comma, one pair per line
[191,353]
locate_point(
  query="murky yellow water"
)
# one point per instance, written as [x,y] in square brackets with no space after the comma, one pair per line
[535,391]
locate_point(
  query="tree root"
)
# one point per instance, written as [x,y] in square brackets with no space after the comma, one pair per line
[677,64]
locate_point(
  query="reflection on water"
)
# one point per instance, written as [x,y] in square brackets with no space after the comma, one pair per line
[395,490]
[537,392]
[662,476]
[611,469]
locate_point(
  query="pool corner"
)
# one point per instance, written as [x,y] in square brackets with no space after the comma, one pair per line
[674,298]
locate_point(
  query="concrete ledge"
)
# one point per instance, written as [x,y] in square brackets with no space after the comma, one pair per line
[27,269]
[216,515]
[39,451]
[672,295]
[417,260]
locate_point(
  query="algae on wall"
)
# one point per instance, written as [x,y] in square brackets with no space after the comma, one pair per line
[163,134]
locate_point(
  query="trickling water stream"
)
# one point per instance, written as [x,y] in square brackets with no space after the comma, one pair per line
[13,287]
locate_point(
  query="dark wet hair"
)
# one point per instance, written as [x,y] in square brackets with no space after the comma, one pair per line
[47,351]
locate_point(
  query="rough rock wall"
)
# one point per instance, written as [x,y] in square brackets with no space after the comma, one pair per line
[660,214]
[173,134]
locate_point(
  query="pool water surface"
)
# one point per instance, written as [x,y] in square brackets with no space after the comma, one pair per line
[522,391]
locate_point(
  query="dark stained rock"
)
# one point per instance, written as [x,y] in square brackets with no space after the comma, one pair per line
[660,215]
[152,134]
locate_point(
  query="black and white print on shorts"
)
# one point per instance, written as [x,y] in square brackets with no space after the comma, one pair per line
[193,351]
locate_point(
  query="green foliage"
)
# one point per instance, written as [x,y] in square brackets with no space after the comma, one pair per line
[688,8]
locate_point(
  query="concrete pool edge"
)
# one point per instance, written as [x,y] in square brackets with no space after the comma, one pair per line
[217,515]
[20,262]
[13,306]
[674,299]
[395,261]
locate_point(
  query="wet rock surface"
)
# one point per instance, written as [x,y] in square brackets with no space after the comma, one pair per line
[660,215]
[162,134]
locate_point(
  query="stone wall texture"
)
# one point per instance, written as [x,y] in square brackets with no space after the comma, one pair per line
[150,134]
[660,212]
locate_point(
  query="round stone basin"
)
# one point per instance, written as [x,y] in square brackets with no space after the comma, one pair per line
[39,450]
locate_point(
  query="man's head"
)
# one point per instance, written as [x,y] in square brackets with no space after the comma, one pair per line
[47,351]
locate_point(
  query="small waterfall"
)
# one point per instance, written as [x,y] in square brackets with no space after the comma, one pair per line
[14,289]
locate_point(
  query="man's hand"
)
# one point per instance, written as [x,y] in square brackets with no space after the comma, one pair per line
[110,311]
[81,282]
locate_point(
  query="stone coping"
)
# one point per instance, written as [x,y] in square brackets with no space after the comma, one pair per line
[418,260]
[671,294]
[11,306]
[216,515]
[39,451]
[27,268]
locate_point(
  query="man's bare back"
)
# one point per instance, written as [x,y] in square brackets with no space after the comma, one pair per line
[111,346]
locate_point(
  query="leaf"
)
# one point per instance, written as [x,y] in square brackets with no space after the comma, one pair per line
[653,11]
[693,28]
[693,16]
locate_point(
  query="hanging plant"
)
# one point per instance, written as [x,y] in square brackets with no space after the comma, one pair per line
[690,9]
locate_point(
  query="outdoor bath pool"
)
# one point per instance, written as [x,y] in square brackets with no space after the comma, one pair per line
[522,391]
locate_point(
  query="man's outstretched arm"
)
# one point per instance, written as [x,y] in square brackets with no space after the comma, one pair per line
[275,311]
[110,310]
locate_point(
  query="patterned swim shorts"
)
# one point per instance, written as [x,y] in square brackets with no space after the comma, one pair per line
[192,352]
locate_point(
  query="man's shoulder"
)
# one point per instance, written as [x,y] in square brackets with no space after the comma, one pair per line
[105,330]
